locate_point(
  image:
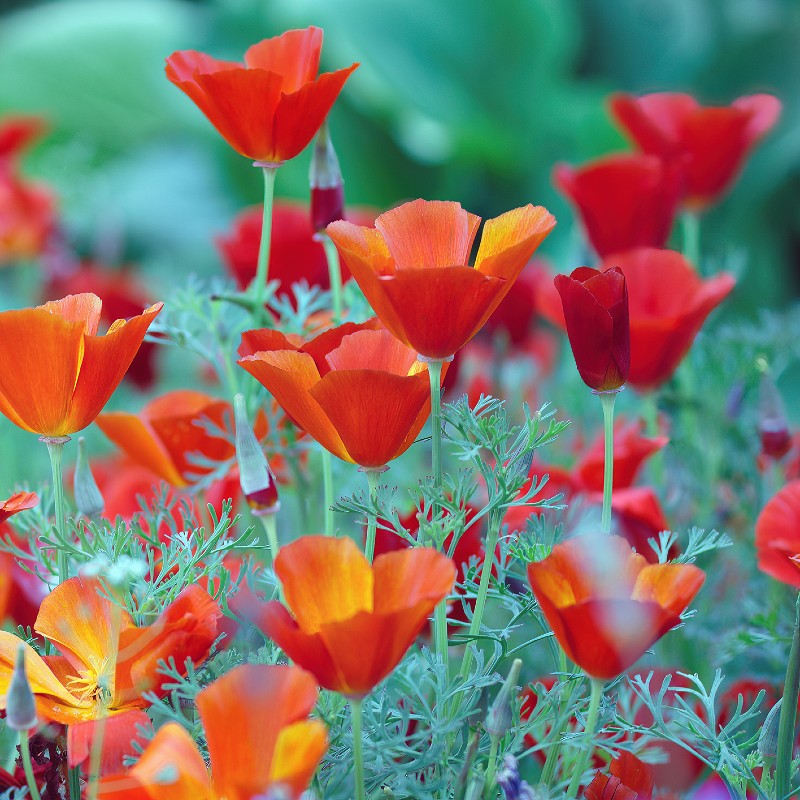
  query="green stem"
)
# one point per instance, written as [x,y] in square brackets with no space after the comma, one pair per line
[372,520]
[588,737]
[327,482]
[270,529]
[440,637]
[766,770]
[608,399]
[258,287]
[491,767]
[55,448]
[783,759]
[25,751]
[551,762]
[435,375]
[335,276]
[358,755]
[690,230]
[74,780]
[492,536]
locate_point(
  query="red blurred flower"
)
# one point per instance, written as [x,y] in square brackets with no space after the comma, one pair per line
[625,201]
[640,518]
[605,604]
[629,779]
[595,308]
[269,108]
[778,535]
[352,622]
[712,141]
[413,268]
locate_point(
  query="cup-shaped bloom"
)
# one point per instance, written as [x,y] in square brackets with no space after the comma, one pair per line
[356,390]
[624,201]
[605,604]
[711,141]
[352,622]
[413,267]
[269,108]
[778,535]
[258,734]
[596,313]
[107,662]
[56,373]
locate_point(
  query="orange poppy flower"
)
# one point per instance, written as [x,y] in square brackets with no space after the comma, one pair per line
[21,501]
[413,268]
[605,604]
[56,373]
[270,107]
[356,390]
[258,738]
[107,662]
[353,621]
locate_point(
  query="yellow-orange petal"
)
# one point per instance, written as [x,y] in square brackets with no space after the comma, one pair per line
[298,751]
[85,308]
[672,586]
[404,578]
[324,580]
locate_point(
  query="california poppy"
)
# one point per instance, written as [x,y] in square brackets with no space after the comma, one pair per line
[624,201]
[269,108]
[107,662]
[628,778]
[413,267]
[258,734]
[605,604]
[778,535]
[711,143]
[596,315]
[56,373]
[355,389]
[352,622]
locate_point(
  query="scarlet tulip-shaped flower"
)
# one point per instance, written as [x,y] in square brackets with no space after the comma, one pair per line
[778,535]
[711,142]
[605,604]
[258,738]
[356,390]
[624,201]
[56,373]
[269,108]
[596,313]
[107,662]
[413,268]
[352,622]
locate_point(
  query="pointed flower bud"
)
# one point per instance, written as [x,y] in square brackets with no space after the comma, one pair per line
[773,425]
[501,715]
[255,476]
[327,186]
[88,498]
[768,738]
[20,705]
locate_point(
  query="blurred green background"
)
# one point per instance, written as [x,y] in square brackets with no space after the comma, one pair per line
[455,99]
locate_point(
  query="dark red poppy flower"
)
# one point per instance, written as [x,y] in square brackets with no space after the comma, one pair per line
[624,201]
[628,778]
[595,308]
[778,535]
[712,142]
[269,108]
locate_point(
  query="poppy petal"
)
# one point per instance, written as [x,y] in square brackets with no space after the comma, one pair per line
[298,751]
[117,732]
[294,55]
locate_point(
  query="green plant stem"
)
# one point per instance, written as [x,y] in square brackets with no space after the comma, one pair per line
[551,762]
[327,482]
[25,752]
[74,780]
[335,276]
[270,529]
[55,448]
[608,399]
[356,712]
[783,759]
[766,770]
[372,520]
[491,767]
[258,287]
[492,536]
[588,737]
[690,234]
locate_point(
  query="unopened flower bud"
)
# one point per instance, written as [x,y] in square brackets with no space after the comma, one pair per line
[327,186]
[88,498]
[20,704]
[773,425]
[501,715]
[768,738]
[258,483]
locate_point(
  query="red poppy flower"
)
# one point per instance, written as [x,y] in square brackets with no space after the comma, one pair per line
[356,390]
[353,621]
[269,108]
[27,217]
[107,662]
[624,201]
[17,132]
[56,373]
[629,779]
[712,142]
[413,268]
[258,734]
[640,518]
[668,304]
[596,315]
[778,535]
[605,604]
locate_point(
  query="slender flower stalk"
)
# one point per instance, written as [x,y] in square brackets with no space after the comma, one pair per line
[588,736]
[335,276]
[327,482]
[25,751]
[356,712]
[783,761]
[607,399]
[258,288]
[55,448]
[690,236]
[372,520]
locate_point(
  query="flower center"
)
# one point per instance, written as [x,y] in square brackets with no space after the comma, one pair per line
[94,685]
